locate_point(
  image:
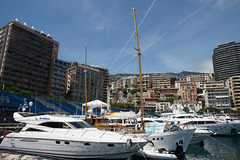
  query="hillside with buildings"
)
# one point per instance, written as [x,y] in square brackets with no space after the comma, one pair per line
[194,91]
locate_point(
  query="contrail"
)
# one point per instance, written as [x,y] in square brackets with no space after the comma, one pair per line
[146,13]
[172,27]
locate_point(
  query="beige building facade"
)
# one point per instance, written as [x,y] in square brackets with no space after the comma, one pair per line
[161,80]
[188,93]
[217,95]
[233,83]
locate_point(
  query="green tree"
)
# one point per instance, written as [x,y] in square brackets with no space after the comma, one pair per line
[199,91]
[186,109]
[212,109]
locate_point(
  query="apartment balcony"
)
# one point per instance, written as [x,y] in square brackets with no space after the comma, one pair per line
[223,105]
[221,97]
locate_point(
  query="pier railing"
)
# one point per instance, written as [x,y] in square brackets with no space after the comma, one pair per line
[10,127]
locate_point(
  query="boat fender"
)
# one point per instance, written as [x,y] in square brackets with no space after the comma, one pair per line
[151,143]
[163,150]
[185,127]
[138,125]
[129,142]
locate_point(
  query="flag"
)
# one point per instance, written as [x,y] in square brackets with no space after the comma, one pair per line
[6,132]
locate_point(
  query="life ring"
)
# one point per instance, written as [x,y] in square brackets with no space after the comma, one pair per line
[185,127]
[129,142]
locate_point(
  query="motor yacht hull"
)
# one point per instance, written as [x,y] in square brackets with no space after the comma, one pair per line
[163,139]
[70,149]
[65,137]
[221,129]
[168,140]
[199,136]
[225,129]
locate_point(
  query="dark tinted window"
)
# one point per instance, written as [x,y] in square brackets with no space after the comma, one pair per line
[210,122]
[110,145]
[80,124]
[53,124]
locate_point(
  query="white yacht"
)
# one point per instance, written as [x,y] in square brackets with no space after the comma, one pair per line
[165,140]
[129,125]
[224,118]
[65,137]
[206,124]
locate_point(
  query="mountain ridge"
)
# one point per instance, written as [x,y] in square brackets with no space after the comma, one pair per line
[115,77]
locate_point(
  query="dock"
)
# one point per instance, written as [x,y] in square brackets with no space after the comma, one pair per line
[10,127]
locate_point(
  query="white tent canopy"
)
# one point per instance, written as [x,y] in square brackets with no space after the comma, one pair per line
[95,103]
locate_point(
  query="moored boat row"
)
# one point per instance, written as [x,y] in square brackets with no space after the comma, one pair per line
[66,137]
[62,136]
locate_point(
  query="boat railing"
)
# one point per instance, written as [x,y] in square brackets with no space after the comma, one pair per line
[146,135]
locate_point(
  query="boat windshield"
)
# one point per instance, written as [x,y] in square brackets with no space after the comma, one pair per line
[80,125]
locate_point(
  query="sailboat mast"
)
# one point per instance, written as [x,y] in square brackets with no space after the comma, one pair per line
[140,70]
[85,80]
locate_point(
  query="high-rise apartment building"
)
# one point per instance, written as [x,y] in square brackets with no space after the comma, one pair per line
[216,95]
[26,58]
[226,61]
[233,83]
[59,77]
[218,98]
[97,83]
[161,81]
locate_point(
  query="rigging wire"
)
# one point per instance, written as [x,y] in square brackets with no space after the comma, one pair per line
[120,53]
[146,13]
[111,62]
[225,145]
[124,64]
[83,50]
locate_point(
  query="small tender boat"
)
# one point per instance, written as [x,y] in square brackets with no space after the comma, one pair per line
[155,154]
[65,137]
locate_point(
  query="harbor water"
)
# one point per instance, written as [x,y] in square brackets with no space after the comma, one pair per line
[215,148]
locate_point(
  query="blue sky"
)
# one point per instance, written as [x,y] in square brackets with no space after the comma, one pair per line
[174,35]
